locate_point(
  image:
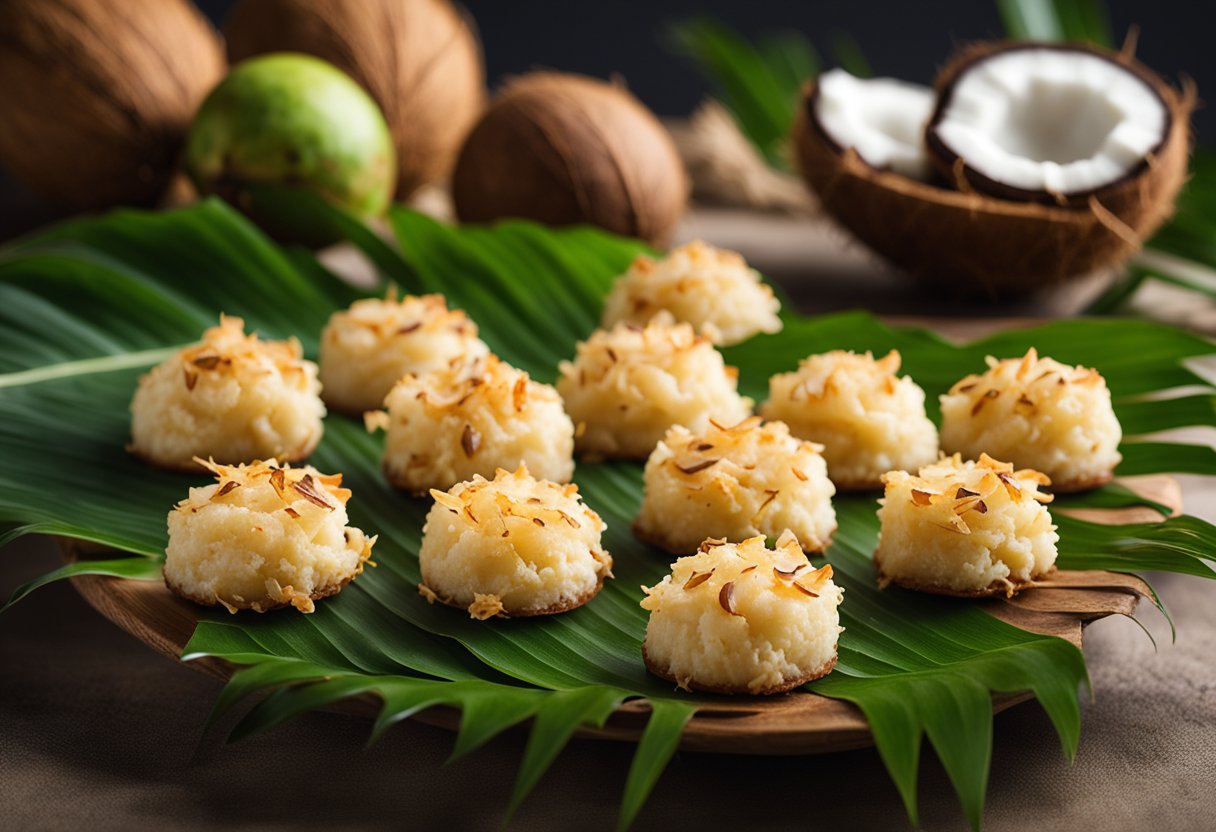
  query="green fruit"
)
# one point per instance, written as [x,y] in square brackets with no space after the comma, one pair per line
[282,126]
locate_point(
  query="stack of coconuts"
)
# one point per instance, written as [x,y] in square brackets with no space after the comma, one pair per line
[1027,164]
[361,101]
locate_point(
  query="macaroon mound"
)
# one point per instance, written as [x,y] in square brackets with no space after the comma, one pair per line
[512,546]
[741,618]
[965,528]
[365,349]
[629,384]
[868,419]
[1037,413]
[231,397]
[713,289]
[450,425]
[263,536]
[750,479]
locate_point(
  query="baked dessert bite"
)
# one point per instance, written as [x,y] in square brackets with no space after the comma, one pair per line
[365,349]
[232,397]
[735,482]
[965,528]
[513,546]
[711,288]
[741,618]
[263,536]
[447,426]
[868,419]
[1036,413]
[629,384]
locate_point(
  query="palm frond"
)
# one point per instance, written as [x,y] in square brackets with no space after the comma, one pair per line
[97,302]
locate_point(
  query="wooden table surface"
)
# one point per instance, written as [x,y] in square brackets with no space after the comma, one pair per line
[98,731]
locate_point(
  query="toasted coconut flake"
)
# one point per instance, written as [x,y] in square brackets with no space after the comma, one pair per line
[921,498]
[448,501]
[574,524]
[291,512]
[804,590]
[227,488]
[278,481]
[964,492]
[799,474]
[374,420]
[191,378]
[697,578]
[710,542]
[308,490]
[982,400]
[785,574]
[485,606]
[470,440]
[206,362]
[696,467]
[726,598]
[408,328]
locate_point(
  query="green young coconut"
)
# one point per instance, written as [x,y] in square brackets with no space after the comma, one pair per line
[285,125]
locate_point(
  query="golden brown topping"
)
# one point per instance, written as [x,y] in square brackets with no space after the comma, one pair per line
[291,512]
[697,578]
[696,467]
[308,489]
[982,400]
[206,362]
[519,393]
[191,378]
[448,501]
[470,440]
[921,498]
[726,598]
[227,487]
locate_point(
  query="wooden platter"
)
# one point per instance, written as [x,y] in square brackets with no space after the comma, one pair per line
[796,723]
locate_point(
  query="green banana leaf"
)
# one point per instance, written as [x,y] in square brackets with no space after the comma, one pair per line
[87,306]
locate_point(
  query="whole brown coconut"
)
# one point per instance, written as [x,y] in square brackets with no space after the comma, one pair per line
[419,59]
[564,149]
[974,242]
[98,96]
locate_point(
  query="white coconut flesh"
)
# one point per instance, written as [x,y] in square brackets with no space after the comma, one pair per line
[1054,121]
[881,118]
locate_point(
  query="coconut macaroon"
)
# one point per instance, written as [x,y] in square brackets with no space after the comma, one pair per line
[741,618]
[738,482]
[512,546]
[868,419]
[965,528]
[365,349]
[1037,413]
[231,397]
[713,289]
[629,384]
[263,536]
[447,426]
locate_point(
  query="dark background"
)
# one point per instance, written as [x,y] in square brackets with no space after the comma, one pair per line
[907,39]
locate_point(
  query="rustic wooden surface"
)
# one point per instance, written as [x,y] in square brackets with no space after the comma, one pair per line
[796,723]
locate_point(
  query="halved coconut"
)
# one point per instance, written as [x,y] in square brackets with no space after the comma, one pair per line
[980,242]
[881,118]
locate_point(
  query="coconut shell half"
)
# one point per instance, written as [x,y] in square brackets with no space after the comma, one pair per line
[977,243]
